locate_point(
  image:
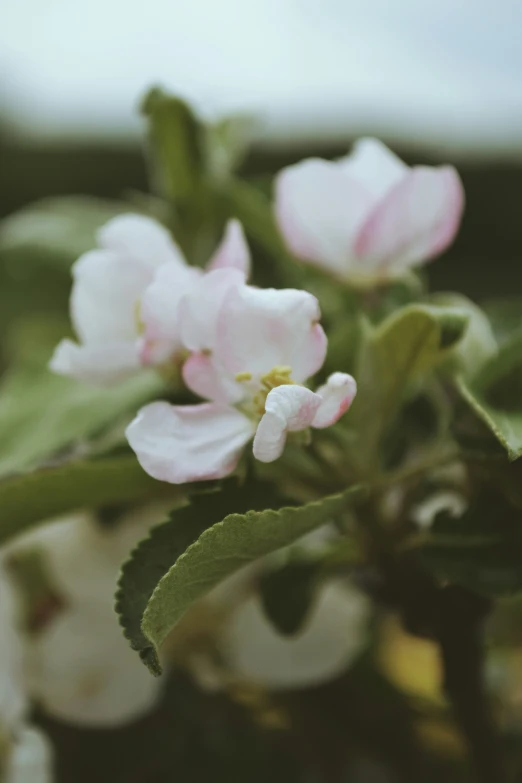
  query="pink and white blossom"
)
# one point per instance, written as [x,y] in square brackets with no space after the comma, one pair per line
[250,365]
[126,296]
[367,217]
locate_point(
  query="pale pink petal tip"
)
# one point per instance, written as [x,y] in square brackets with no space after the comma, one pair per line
[233,251]
[416,221]
[336,397]
[455,208]
[287,409]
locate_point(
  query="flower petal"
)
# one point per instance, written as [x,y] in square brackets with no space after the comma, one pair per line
[375,166]
[160,311]
[101,364]
[416,220]
[334,634]
[141,239]
[203,376]
[260,329]
[81,669]
[30,760]
[188,443]
[13,701]
[449,501]
[287,409]
[319,211]
[105,291]
[336,397]
[201,307]
[233,251]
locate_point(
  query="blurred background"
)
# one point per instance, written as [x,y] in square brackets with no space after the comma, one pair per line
[437,81]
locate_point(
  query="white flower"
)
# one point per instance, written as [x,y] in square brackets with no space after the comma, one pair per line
[12,696]
[30,758]
[367,217]
[25,756]
[109,305]
[79,666]
[251,353]
[82,670]
[332,637]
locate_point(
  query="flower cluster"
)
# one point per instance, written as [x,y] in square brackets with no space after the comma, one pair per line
[247,351]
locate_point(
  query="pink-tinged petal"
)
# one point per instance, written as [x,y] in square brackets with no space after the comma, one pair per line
[336,397]
[141,239]
[320,210]
[202,305]
[105,291]
[204,377]
[371,163]
[417,220]
[160,312]
[260,329]
[287,409]
[101,364]
[233,251]
[188,443]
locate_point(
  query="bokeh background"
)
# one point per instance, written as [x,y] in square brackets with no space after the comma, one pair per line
[437,81]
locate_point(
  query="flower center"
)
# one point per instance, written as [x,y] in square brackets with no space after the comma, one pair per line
[278,376]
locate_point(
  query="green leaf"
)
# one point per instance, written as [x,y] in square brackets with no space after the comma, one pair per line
[405,346]
[177,143]
[479,343]
[227,143]
[481,550]
[42,413]
[287,595]
[495,395]
[198,547]
[30,498]
[506,426]
[505,316]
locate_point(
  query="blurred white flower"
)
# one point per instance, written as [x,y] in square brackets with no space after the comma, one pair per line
[367,217]
[25,755]
[82,670]
[12,696]
[332,637]
[449,501]
[30,758]
[79,665]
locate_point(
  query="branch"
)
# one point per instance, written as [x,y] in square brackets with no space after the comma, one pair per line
[460,619]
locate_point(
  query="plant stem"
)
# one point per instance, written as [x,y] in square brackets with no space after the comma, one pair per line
[460,637]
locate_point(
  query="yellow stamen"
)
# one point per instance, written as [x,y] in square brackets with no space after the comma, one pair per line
[140,325]
[241,377]
[278,376]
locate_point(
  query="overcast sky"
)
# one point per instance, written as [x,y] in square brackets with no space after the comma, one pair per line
[448,72]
